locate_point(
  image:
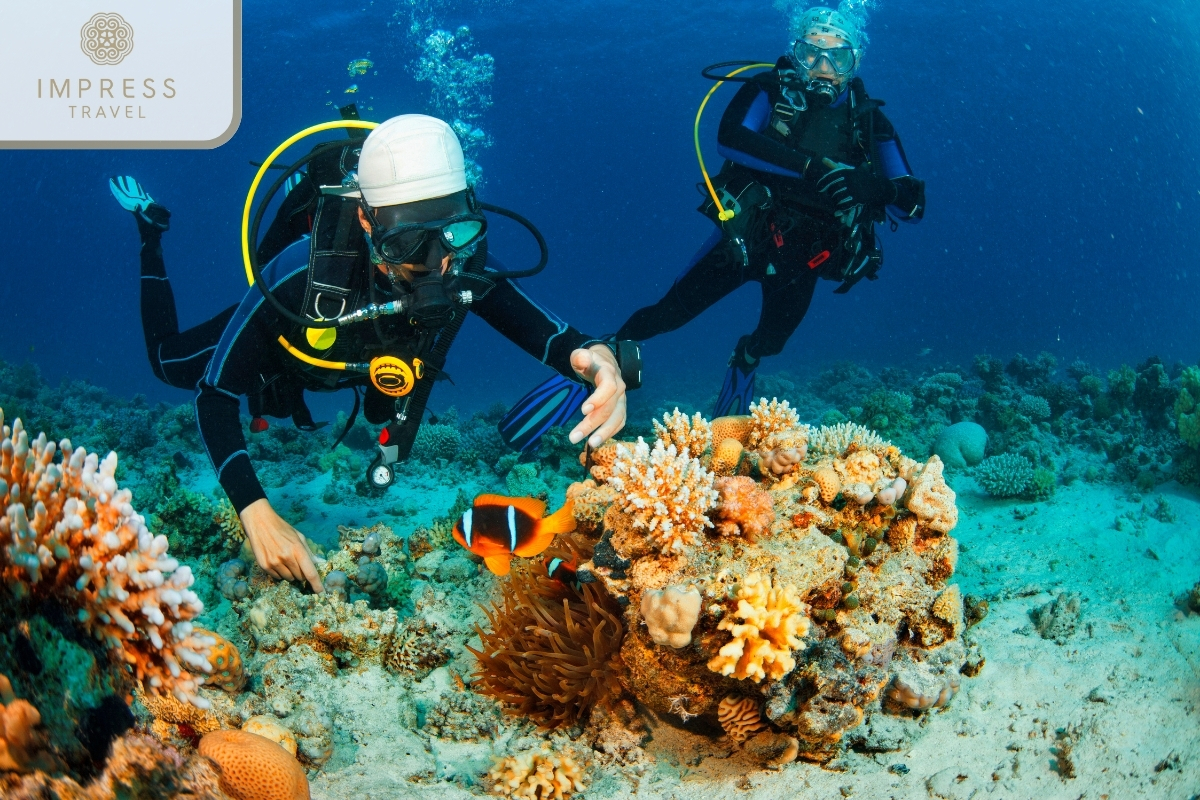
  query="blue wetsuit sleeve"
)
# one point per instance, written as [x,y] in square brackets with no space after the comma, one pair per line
[529,325]
[246,352]
[909,205]
[740,136]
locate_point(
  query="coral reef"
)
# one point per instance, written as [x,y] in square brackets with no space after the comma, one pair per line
[227,671]
[666,494]
[810,617]
[1058,619]
[254,767]
[76,540]
[772,624]
[551,651]
[775,424]
[670,615]
[269,728]
[1187,408]
[742,508]
[537,775]
[20,747]
[691,437]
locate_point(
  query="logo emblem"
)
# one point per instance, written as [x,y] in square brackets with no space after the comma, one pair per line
[106,39]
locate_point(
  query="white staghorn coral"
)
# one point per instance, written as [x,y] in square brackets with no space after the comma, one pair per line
[666,494]
[691,437]
[72,535]
[833,440]
[775,420]
[772,623]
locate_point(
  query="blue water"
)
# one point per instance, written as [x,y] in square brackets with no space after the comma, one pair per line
[1058,141]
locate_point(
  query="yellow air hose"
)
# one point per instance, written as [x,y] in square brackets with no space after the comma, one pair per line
[725,214]
[262,170]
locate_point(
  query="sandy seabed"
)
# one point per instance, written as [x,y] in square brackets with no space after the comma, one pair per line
[1111,712]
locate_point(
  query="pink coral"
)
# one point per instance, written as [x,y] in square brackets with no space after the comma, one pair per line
[742,508]
[72,536]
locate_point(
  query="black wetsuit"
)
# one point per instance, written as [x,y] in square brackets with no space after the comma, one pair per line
[237,352]
[783,252]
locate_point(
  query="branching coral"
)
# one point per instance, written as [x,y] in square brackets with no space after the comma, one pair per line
[742,508]
[74,538]
[773,624]
[691,437]
[550,653]
[834,440]
[229,522]
[775,424]
[1006,475]
[537,775]
[666,494]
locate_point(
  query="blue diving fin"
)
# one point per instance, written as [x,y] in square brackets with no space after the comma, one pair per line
[551,403]
[737,393]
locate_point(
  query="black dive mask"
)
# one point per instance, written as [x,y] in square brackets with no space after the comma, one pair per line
[821,92]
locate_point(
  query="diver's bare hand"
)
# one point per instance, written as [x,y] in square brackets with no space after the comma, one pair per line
[604,409]
[278,547]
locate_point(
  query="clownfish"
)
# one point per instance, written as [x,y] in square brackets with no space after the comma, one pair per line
[498,528]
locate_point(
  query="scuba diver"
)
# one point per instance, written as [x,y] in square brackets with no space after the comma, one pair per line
[366,281]
[811,165]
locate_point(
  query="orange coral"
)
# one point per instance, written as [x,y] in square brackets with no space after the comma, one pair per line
[168,710]
[740,718]
[20,749]
[602,459]
[255,768]
[773,624]
[551,653]
[76,540]
[742,508]
[665,494]
[775,424]
[731,428]
[226,661]
[828,482]
[726,455]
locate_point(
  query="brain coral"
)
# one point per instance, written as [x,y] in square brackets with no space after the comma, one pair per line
[69,523]
[742,508]
[772,624]
[740,718]
[255,768]
[666,494]
[961,445]
[1005,475]
[1034,407]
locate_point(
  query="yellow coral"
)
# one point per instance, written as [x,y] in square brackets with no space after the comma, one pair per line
[834,440]
[602,459]
[74,538]
[773,622]
[666,495]
[932,500]
[902,533]
[828,482]
[768,419]
[948,607]
[861,466]
[167,709]
[537,775]
[726,456]
[740,718]
[589,501]
[691,437]
[731,428]
[269,728]
[229,522]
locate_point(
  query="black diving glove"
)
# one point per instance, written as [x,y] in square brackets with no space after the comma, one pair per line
[849,186]
[910,196]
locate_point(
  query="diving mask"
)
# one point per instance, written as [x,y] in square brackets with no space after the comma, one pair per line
[841,59]
[408,242]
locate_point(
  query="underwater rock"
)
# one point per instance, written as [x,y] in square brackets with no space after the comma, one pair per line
[268,728]
[1058,619]
[962,444]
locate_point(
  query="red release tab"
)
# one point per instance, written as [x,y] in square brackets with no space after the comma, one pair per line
[384,437]
[819,259]
[258,425]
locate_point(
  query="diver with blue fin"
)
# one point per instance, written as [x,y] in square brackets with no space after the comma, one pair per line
[812,165]
[374,258]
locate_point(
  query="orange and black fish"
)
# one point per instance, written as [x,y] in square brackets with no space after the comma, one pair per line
[498,528]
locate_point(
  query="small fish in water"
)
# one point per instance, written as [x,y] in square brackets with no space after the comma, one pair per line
[565,572]
[359,66]
[498,528]
[353,89]
[924,352]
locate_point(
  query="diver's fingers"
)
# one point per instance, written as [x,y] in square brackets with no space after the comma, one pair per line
[612,426]
[310,571]
[605,419]
[585,364]
[608,384]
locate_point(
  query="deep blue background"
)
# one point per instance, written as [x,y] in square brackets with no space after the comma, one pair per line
[1058,141]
